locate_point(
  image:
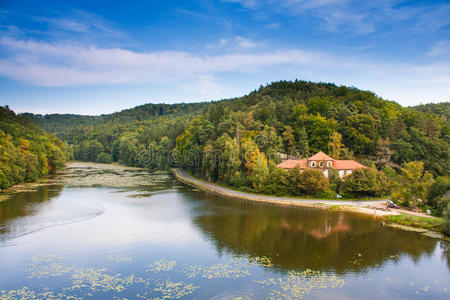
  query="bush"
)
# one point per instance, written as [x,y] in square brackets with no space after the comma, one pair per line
[365,182]
[277,182]
[326,194]
[104,158]
[312,181]
[446,215]
[436,192]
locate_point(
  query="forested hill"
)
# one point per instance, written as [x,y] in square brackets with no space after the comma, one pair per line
[60,124]
[293,117]
[26,151]
[441,109]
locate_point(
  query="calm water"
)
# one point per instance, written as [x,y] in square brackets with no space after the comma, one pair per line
[168,241]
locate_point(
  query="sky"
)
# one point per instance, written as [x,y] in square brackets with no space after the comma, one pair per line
[95,57]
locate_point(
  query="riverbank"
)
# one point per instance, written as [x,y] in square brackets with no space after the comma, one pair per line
[375,208]
[371,207]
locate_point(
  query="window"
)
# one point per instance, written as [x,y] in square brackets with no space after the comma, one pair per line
[329,164]
[313,164]
[320,163]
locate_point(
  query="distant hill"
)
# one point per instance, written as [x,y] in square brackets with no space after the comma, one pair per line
[441,109]
[60,123]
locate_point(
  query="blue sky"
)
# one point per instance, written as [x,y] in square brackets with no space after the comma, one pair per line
[94,57]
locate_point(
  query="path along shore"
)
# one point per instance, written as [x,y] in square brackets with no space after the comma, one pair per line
[369,207]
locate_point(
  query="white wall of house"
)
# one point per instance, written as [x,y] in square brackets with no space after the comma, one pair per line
[343,173]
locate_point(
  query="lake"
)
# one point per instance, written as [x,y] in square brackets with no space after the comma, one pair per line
[109,232]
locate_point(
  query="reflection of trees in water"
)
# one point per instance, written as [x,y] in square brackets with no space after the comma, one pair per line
[24,204]
[306,238]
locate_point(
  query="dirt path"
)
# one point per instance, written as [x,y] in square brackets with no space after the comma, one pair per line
[371,207]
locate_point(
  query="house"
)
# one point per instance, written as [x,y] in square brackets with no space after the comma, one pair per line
[323,162]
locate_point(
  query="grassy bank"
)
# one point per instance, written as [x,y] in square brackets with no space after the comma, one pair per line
[429,223]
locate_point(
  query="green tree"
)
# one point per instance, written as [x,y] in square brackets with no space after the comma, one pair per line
[335,145]
[289,140]
[302,142]
[312,181]
[365,182]
[260,173]
[413,184]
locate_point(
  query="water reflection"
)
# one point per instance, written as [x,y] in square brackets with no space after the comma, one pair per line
[25,204]
[303,238]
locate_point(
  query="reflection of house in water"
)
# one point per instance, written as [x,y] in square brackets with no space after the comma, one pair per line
[328,229]
[322,231]
[305,238]
[323,162]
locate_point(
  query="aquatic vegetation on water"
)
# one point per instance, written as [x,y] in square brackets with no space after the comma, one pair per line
[100,280]
[53,269]
[263,261]
[45,258]
[174,290]
[161,265]
[119,258]
[42,266]
[298,284]
[27,294]
[88,282]
[83,174]
[237,269]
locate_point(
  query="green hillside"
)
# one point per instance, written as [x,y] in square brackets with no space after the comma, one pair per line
[26,151]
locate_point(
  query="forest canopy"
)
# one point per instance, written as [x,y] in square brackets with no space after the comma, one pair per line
[26,151]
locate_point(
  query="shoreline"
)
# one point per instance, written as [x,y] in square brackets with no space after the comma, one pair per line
[369,208]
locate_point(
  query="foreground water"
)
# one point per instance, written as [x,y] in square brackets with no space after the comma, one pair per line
[108,232]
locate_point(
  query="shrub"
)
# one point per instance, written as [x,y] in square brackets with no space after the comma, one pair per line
[104,158]
[365,182]
[313,181]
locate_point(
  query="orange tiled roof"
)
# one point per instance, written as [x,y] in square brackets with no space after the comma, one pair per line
[347,165]
[292,163]
[320,156]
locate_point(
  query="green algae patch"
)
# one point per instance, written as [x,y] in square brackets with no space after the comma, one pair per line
[26,294]
[97,280]
[263,261]
[84,174]
[295,285]
[234,270]
[162,265]
[174,290]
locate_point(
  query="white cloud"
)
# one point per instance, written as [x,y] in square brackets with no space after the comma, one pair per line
[440,49]
[246,3]
[66,64]
[63,64]
[245,42]
[358,17]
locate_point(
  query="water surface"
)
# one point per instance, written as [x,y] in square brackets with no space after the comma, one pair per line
[112,232]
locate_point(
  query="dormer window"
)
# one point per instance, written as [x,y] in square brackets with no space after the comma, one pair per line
[313,164]
[321,164]
[329,164]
